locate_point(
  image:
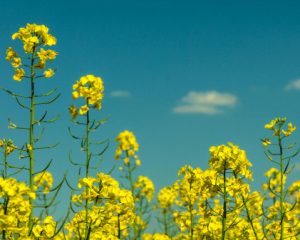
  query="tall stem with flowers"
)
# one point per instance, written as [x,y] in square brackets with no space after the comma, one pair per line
[140,189]
[284,224]
[33,36]
[91,89]
[107,208]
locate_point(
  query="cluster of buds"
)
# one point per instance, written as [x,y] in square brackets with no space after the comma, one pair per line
[279,123]
[92,92]
[127,143]
[7,146]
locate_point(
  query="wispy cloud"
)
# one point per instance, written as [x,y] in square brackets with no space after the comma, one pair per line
[205,102]
[120,94]
[293,85]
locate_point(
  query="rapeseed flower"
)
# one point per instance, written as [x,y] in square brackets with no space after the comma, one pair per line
[92,92]
[19,74]
[16,62]
[266,142]
[49,73]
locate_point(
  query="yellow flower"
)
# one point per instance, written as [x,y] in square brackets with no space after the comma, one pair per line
[126,160]
[29,43]
[120,168]
[49,73]
[16,62]
[138,162]
[10,54]
[271,125]
[75,95]
[289,131]
[266,142]
[49,54]
[73,111]
[1,143]
[40,65]
[19,74]
[97,105]
[83,110]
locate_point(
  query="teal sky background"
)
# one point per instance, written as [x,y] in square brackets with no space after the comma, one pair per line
[182,76]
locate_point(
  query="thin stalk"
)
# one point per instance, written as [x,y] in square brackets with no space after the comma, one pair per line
[249,218]
[119,228]
[165,222]
[133,195]
[192,220]
[31,136]
[5,163]
[6,199]
[140,214]
[281,187]
[224,205]
[45,201]
[169,222]
[87,167]
[191,213]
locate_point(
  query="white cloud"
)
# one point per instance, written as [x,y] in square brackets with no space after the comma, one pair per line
[120,94]
[205,102]
[293,85]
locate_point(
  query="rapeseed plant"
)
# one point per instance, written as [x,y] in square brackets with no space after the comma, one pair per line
[215,203]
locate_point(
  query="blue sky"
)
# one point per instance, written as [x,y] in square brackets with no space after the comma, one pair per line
[181,76]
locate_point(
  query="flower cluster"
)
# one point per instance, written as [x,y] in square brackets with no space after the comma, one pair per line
[15,208]
[224,158]
[127,143]
[32,37]
[46,230]
[34,34]
[197,187]
[113,214]
[274,182]
[106,187]
[279,123]
[8,146]
[155,236]
[45,180]
[147,187]
[166,197]
[92,93]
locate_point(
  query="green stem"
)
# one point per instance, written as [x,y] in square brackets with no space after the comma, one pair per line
[191,212]
[281,187]
[31,136]
[224,205]
[87,167]
[6,200]
[169,222]
[119,228]
[45,202]
[133,195]
[192,220]
[249,218]
[5,163]
[165,222]
[141,215]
